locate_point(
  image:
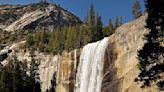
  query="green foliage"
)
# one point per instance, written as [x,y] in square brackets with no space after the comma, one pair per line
[98,32]
[95,25]
[118,22]
[136,9]
[14,77]
[66,38]
[56,41]
[84,35]
[30,41]
[33,78]
[92,15]
[109,30]
[69,38]
[8,38]
[73,39]
[151,56]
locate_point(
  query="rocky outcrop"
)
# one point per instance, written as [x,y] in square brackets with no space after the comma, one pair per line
[3,56]
[120,68]
[35,16]
[119,63]
[119,60]
[58,71]
[25,20]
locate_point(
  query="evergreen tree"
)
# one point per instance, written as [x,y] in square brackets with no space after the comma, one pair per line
[86,20]
[136,9]
[58,42]
[92,15]
[98,32]
[117,22]
[151,56]
[120,21]
[14,77]
[29,41]
[109,30]
[6,78]
[17,76]
[92,22]
[111,27]
[84,35]
[69,39]
[34,80]
[77,36]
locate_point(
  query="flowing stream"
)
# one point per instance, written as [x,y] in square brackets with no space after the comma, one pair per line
[90,70]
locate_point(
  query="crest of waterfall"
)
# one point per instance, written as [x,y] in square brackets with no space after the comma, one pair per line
[90,70]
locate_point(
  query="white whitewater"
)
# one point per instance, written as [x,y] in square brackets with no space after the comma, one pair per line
[90,70]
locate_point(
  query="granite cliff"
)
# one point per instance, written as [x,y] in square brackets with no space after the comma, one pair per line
[119,63]
[35,16]
[112,62]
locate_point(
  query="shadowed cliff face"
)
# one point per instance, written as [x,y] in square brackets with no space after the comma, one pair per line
[109,71]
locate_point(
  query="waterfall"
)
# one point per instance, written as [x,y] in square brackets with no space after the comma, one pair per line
[90,70]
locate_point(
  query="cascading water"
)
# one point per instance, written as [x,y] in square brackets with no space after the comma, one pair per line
[90,70]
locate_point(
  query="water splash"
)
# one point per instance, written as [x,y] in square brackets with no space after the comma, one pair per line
[90,70]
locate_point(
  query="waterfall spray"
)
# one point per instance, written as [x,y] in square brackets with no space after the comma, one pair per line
[90,70]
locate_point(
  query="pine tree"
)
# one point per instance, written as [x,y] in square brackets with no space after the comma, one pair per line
[84,35]
[6,78]
[98,32]
[111,27]
[109,30]
[151,56]
[34,80]
[136,9]
[17,76]
[77,36]
[67,44]
[30,41]
[14,77]
[92,23]
[120,21]
[92,15]
[86,20]
[117,22]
